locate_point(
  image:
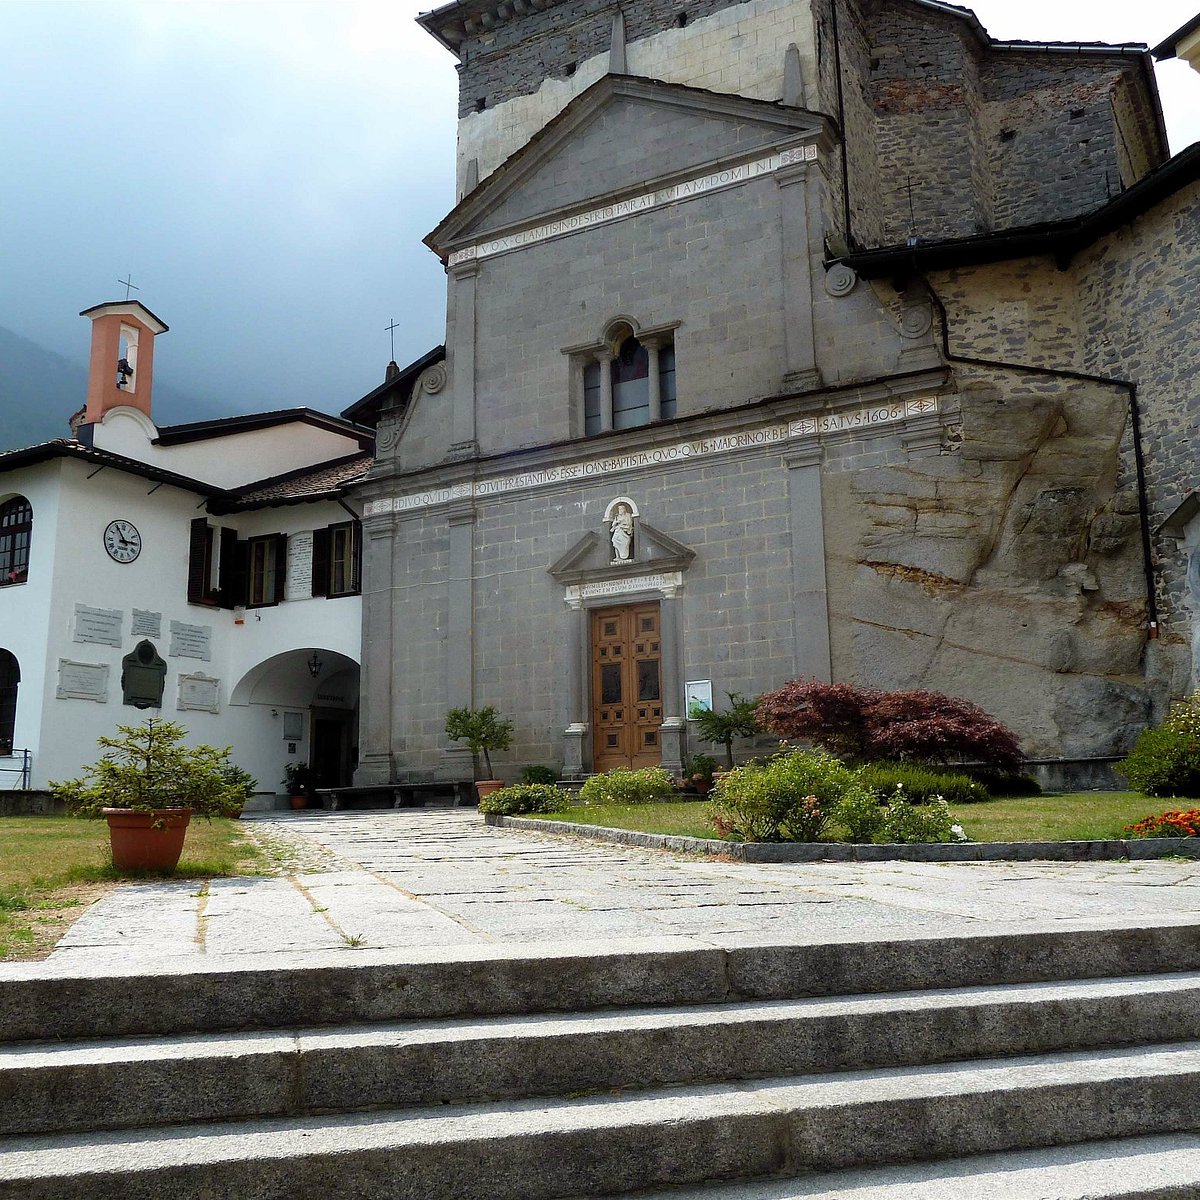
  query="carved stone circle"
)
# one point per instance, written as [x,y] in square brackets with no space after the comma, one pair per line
[434,379]
[917,320]
[840,280]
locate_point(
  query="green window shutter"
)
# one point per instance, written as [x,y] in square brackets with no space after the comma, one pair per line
[320,562]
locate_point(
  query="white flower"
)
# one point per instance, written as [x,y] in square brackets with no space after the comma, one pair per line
[960,834]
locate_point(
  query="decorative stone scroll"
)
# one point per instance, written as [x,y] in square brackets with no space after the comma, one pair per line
[82,681]
[190,641]
[102,625]
[849,421]
[199,693]
[697,186]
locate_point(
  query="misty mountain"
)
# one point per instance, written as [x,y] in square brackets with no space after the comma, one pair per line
[39,390]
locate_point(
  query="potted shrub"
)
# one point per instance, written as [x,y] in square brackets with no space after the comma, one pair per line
[147,784]
[298,780]
[241,784]
[483,731]
[699,774]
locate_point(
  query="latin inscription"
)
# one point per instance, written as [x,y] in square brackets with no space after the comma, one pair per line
[771,435]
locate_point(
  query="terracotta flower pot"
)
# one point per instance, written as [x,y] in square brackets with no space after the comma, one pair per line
[298,801]
[485,787]
[147,841]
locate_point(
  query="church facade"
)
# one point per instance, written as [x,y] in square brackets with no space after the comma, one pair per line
[787,338]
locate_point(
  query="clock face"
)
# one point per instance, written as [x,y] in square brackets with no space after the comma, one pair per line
[122,541]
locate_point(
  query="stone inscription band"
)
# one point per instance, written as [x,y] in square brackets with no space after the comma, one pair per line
[805,427]
[635,204]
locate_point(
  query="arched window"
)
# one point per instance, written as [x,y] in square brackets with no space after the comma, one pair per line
[10,676]
[641,379]
[16,528]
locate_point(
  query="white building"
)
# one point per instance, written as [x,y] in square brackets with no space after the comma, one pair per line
[226,545]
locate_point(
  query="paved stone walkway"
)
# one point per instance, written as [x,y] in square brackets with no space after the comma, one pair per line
[422,881]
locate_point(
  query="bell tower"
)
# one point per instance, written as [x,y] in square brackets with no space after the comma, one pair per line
[121,370]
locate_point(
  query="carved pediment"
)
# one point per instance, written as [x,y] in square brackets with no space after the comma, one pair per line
[589,560]
[622,136]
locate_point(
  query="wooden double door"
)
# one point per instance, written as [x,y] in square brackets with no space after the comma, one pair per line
[627,709]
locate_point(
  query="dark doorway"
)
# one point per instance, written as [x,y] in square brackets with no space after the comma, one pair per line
[331,741]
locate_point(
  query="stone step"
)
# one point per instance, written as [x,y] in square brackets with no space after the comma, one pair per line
[36,1002]
[609,1145]
[131,1082]
[1152,1168]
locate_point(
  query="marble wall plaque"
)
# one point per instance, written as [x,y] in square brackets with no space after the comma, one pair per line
[199,692]
[190,641]
[146,624]
[82,681]
[299,567]
[101,625]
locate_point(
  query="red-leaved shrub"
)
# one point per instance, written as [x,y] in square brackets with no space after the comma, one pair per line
[866,725]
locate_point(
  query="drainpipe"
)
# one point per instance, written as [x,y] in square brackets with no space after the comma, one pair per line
[1135,424]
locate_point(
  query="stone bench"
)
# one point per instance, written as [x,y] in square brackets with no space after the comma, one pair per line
[448,793]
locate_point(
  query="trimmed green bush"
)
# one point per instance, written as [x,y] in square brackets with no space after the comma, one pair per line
[922,785]
[1166,761]
[1004,783]
[525,798]
[860,815]
[907,823]
[539,774]
[644,786]
[790,798]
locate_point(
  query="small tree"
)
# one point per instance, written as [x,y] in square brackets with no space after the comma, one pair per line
[1165,761]
[148,768]
[482,730]
[866,725]
[738,720]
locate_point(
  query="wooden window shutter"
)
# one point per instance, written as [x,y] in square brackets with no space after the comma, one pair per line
[199,562]
[281,547]
[320,562]
[229,593]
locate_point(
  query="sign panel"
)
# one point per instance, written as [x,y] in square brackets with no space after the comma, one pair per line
[190,641]
[146,624]
[201,693]
[82,681]
[101,625]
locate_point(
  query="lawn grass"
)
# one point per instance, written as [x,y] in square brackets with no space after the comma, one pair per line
[51,868]
[1073,816]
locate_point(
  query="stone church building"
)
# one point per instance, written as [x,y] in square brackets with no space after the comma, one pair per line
[787,338]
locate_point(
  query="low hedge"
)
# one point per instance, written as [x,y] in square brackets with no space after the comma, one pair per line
[525,798]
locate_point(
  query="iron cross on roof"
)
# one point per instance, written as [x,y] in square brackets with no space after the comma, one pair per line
[129,284]
[391,329]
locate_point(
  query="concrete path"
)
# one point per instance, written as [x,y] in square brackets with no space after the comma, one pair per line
[417,882]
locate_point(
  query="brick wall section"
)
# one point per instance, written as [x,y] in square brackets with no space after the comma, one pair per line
[711,263]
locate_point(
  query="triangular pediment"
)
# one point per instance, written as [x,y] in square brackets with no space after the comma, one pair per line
[589,560]
[621,137]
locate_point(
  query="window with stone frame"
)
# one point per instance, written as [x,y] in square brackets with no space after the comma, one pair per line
[628,381]
[10,677]
[16,531]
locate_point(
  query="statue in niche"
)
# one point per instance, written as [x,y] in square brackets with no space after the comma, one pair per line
[622,534]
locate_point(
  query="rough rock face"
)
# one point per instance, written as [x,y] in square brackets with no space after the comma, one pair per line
[1013,549]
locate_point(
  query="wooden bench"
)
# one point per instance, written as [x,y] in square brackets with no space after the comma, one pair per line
[444,793]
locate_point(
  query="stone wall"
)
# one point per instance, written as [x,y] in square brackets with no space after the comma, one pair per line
[736,604]
[1137,298]
[712,264]
[977,569]
[520,72]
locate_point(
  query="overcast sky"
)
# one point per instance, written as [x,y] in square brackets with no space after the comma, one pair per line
[266,171]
